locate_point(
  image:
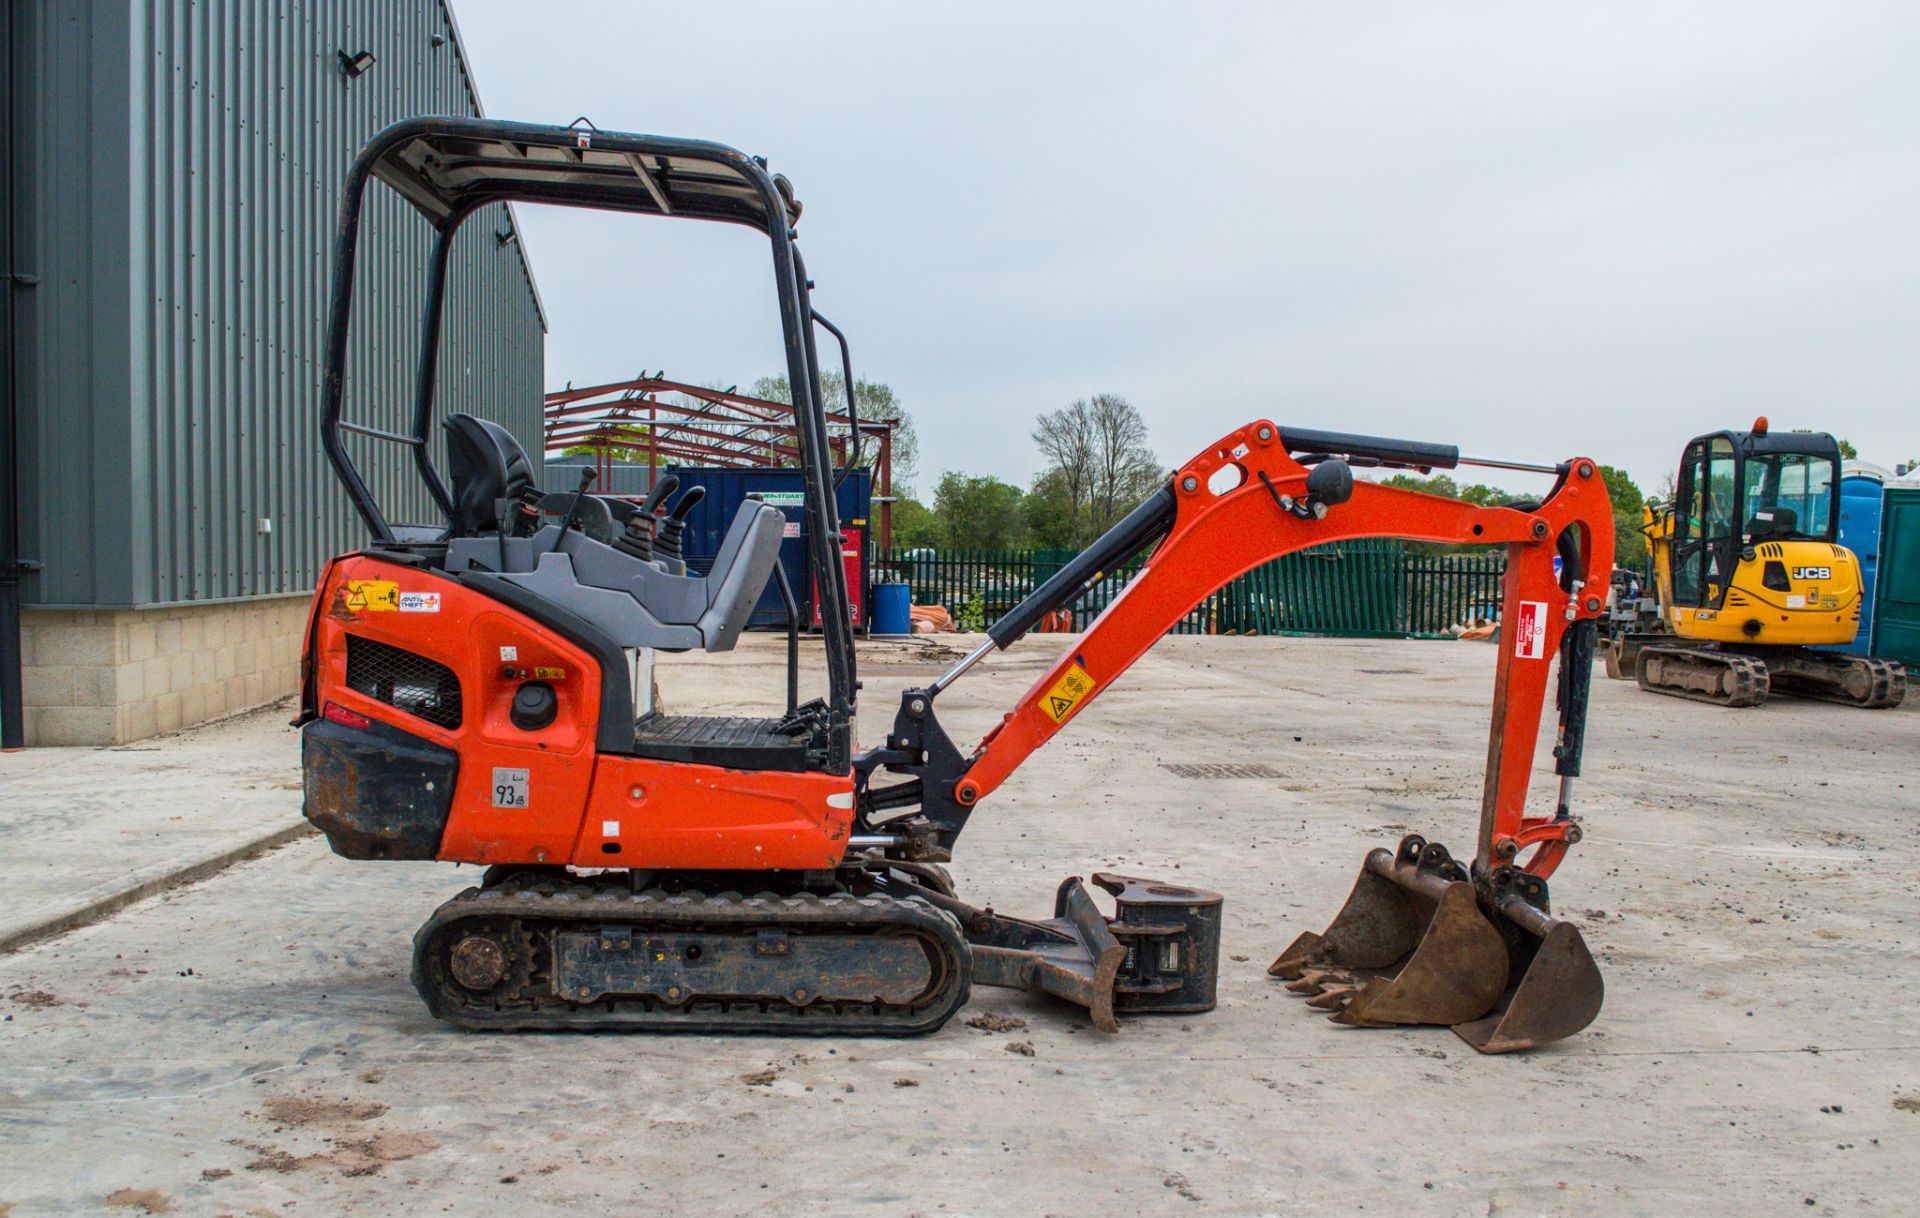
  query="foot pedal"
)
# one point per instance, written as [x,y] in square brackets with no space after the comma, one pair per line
[1159,952]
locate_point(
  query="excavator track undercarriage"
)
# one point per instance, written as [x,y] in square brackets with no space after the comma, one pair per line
[547,952]
[1728,675]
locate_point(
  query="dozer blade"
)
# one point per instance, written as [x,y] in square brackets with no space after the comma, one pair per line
[1410,945]
[1559,990]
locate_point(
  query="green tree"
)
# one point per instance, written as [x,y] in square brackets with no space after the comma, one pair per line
[1099,462]
[914,525]
[1438,484]
[1048,509]
[1629,544]
[1847,451]
[876,402]
[979,512]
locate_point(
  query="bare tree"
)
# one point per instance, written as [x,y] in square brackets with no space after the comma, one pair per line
[1097,461]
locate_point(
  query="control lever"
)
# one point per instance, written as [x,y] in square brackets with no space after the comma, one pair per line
[636,539]
[587,475]
[661,489]
[667,543]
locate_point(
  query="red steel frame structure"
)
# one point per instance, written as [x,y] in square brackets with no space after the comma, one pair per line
[696,425]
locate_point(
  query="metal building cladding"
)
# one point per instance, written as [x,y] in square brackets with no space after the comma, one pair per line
[173,178]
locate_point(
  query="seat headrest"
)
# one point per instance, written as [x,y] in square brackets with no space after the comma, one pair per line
[485,464]
[1785,520]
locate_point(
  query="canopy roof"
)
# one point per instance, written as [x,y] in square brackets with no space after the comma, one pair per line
[446,167]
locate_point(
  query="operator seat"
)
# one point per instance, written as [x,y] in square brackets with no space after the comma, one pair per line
[486,466]
[1785,521]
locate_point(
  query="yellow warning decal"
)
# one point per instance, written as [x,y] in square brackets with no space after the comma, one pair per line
[550,674]
[373,595]
[1073,685]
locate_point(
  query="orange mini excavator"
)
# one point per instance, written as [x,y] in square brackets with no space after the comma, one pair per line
[478,690]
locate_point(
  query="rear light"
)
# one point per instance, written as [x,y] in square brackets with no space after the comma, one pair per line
[336,713]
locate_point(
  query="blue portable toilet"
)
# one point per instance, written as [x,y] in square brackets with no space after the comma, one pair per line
[1896,613]
[1861,489]
[727,488]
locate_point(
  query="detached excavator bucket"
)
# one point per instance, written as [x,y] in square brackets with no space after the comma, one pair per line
[1409,946]
[1558,991]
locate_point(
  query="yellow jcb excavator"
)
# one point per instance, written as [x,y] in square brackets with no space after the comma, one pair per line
[1750,577]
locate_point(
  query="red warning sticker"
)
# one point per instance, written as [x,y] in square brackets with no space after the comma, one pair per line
[1530,631]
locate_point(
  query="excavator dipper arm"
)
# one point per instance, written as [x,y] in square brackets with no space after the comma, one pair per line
[1246,501]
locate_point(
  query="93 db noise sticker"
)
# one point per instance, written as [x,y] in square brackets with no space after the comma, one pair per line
[510,787]
[1068,692]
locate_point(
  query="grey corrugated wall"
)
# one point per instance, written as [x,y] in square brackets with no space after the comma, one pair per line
[185,174]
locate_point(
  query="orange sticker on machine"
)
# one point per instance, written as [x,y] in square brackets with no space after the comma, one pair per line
[550,674]
[1068,692]
[373,596]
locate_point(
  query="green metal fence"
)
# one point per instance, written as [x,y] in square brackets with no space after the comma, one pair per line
[1366,588]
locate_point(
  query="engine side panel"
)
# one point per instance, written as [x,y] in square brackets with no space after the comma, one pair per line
[540,795]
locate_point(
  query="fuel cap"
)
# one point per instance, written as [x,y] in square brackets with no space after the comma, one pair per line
[534,706]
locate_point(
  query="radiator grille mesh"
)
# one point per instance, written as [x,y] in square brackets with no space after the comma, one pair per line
[403,680]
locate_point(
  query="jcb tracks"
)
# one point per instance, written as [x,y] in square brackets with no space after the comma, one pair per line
[1703,674]
[1728,677]
[1863,681]
[585,953]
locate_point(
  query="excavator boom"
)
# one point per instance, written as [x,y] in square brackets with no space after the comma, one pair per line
[1246,501]
[1423,938]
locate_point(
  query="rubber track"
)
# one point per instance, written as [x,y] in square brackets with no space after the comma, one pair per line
[1750,683]
[534,907]
[1887,684]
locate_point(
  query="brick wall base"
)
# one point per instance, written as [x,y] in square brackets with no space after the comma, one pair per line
[111,676]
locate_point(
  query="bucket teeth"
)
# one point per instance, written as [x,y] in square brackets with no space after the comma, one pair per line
[1412,930]
[1333,998]
[1313,980]
[1417,942]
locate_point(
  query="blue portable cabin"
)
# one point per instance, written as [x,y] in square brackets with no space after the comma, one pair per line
[727,488]
[1861,486]
[1896,617]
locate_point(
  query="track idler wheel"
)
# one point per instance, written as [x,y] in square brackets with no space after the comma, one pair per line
[1558,991]
[1410,946]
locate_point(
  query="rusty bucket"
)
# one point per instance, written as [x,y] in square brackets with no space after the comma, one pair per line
[1410,946]
[1558,990]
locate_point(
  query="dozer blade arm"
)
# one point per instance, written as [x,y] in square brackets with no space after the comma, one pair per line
[1246,501]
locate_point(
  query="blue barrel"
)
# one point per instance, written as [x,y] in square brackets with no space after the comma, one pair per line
[892,608]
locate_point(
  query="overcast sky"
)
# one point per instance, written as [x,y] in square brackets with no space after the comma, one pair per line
[1532,230]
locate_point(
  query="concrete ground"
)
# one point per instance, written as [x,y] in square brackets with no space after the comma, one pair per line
[85,831]
[249,1044]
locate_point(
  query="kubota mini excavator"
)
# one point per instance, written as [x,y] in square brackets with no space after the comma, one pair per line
[477,690]
[1751,577]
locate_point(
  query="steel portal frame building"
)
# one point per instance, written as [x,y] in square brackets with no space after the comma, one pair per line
[172,177]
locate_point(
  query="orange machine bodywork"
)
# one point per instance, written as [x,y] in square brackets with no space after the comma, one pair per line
[590,809]
[1218,535]
[582,808]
